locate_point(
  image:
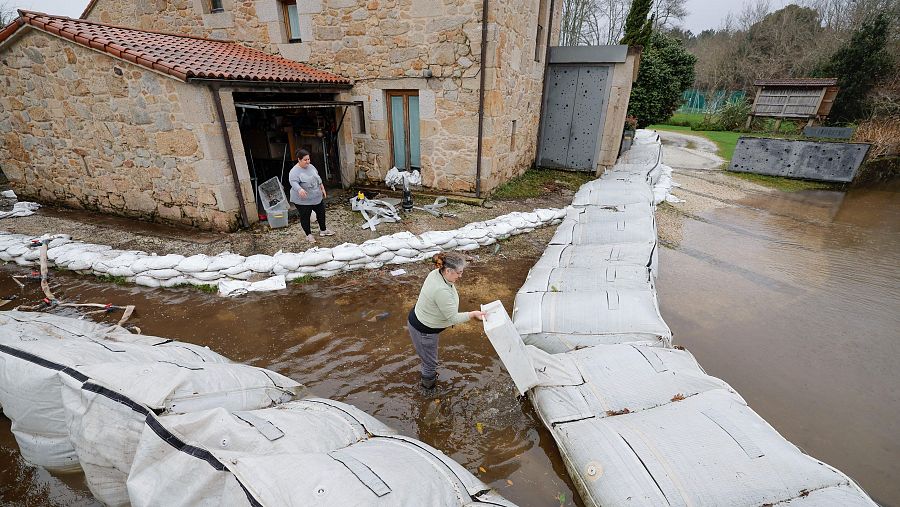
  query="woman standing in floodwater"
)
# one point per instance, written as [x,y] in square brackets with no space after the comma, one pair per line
[308,194]
[437,309]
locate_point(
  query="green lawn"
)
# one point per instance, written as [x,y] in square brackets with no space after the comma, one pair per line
[727,141]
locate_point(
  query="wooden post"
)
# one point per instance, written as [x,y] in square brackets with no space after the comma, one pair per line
[777,125]
[749,122]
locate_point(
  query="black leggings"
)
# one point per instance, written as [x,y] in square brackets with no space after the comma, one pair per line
[306,210]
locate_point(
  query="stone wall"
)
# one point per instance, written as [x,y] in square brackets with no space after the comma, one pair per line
[514,87]
[82,129]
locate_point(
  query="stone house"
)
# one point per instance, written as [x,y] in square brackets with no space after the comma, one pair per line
[132,123]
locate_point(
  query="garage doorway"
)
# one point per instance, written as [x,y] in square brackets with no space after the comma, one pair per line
[274,126]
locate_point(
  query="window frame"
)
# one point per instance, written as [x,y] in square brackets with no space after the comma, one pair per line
[287,21]
[388,94]
[539,35]
[211,4]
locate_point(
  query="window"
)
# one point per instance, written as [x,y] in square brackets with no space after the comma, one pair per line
[539,36]
[512,137]
[291,20]
[216,6]
[403,117]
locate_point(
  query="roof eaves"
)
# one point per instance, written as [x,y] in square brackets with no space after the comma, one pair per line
[11,28]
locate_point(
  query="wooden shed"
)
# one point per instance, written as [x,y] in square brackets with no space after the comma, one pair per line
[804,98]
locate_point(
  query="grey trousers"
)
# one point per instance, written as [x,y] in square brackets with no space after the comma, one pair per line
[426,345]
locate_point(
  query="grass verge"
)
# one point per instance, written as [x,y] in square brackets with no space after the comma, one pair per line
[786,184]
[303,279]
[725,140]
[537,182]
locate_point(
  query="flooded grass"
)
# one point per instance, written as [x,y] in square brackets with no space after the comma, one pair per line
[538,182]
[786,184]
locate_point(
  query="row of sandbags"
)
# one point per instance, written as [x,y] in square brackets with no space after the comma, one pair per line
[595,282]
[173,270]
[638,422]
[153,421]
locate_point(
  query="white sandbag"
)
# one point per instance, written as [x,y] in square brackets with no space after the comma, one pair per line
[243,275]
[562,321]
[362,261]
[324,273]
[611,230]
[224,261]
[206,276]
[602,276]
[438,237]
[399,240]
[260,263]
[612,193]
[194,264]
[347,252]
[591,214]
[175,281]
[332,266]
[709,449]
[469,247]
[316,256]
[146,281]
[30,386]
[374,265]
[162,274]
[288,261]
[385,256]
[156,262]
[105,415]
[407,252]
[373,248]
[311,452]
[585,256]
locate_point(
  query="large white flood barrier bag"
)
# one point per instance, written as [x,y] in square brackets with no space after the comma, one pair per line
[602,276]
[586,256]
[708,449]
[612,193]
[613,230]
[308,452]
[563,321]
[30,384]
[105,414]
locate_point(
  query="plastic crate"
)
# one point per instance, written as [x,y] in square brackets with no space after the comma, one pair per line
[271,195]
[278,217]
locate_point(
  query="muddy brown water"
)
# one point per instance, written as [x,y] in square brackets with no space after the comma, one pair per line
[791,298]
[345,338]
[794,299]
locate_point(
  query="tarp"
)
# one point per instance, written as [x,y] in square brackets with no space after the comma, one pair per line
[602,276]
[105,414]
[30,367]
[309,452]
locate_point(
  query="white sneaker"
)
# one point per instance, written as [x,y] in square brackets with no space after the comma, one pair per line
[310,238]
[326,232]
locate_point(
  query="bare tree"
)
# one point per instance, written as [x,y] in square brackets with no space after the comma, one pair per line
[7,13]
[593,22]
[667,11]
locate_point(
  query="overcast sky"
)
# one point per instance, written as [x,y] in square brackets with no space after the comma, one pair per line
[703,14]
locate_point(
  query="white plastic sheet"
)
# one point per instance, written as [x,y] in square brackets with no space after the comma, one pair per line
[602,276]
[30,381]
[310,452]
[105,414]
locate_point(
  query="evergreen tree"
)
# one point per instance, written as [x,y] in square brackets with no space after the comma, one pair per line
[666,71]
[858,66]
[637,27]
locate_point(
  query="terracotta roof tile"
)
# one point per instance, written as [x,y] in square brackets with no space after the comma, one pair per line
[806,81]
[182,56]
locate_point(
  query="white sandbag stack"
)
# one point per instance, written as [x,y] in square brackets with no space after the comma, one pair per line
[105,414]
[31,363]
[308,452]
[640,424]
[231,269]
[610,232]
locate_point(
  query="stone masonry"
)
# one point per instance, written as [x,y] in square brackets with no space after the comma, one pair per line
[389,45]
[80,128]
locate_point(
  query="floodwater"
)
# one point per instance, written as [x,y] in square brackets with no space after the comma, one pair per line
[794,299]
[345,339]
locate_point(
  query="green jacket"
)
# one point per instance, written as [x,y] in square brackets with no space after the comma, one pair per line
[438,303]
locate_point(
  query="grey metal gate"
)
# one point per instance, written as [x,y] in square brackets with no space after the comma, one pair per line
[574,110]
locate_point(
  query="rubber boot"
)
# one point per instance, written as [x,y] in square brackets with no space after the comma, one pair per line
[428,382]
